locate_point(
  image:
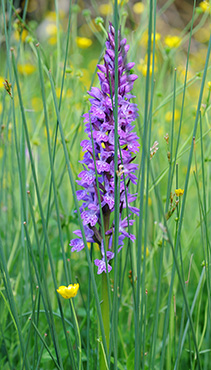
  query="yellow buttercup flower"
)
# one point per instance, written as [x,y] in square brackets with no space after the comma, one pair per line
[142,66]
[83,42]
[26,69]
[68,292]
[157,37]
[21,36]
[51,15]
[179,192]
[169,115]
[51,29]
[172,41]
[105,9]
[205,6]
[52,40]
[138,8]
[144,38]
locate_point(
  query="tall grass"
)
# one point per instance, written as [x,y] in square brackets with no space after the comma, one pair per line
[153,310]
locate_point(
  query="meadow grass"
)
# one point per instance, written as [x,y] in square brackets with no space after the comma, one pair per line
[152,311]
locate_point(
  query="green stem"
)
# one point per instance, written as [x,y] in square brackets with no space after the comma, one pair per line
[105,317]
[105,302]
[78,333]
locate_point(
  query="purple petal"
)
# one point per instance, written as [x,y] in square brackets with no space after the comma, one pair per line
[93,207]
[102,166]
[89,217]
[105,88]
[100,136]
[134,210]
[95,92]
[110,255]
[77,245]
[98,112]
[123,42]
[132,77]
[81,194]
[86,145]
[87,177]
[88,233]
[101,76]
[111,53]
[102,68]
[109,200]
[101,266]
[129,66]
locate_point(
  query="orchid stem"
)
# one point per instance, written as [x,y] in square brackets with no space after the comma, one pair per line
[105,317]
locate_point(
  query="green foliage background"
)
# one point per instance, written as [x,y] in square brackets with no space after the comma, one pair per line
[161,291]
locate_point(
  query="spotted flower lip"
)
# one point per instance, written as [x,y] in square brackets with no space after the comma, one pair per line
[100,125]
[68,292]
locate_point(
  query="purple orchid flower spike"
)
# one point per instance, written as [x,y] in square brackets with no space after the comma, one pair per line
[101,118]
